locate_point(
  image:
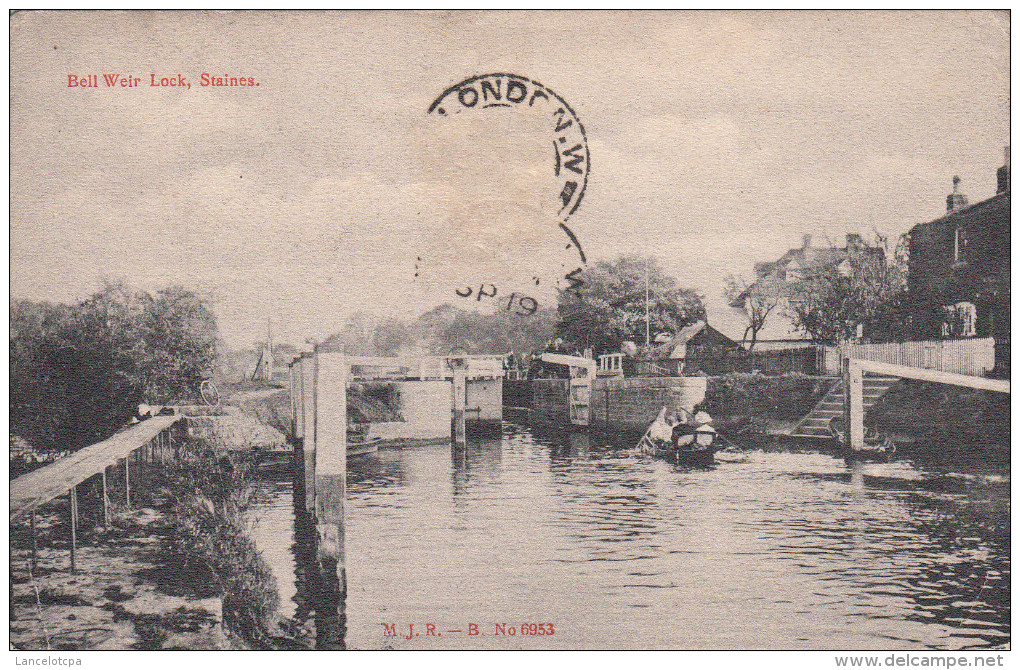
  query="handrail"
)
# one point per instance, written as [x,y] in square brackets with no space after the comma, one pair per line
[925,374]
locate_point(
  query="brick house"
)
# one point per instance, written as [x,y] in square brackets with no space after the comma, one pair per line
[959,270]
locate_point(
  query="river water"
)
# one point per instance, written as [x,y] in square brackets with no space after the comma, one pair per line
[614,550]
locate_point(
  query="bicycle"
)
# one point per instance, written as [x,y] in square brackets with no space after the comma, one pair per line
[210,394]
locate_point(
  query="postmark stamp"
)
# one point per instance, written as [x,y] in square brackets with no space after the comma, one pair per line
[569,157]
[533,149]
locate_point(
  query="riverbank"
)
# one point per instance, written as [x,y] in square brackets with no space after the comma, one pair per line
[118,598]
[178,571]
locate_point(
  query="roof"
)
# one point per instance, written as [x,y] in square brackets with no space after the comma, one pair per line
[730,321]
[688,332]
[802,258]
[997,206]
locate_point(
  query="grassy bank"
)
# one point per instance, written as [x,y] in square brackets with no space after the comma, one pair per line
[755,404]
[366,402]
[208,545]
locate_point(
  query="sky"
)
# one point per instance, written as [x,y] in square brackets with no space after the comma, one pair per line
[716,139]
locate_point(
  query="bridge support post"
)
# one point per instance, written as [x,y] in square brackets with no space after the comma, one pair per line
[73,494]
[35,547]
[127,480]
[106,502]
[853,404]
[330,440]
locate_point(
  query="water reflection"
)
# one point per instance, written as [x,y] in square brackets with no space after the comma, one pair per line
[317,592]
[767,550]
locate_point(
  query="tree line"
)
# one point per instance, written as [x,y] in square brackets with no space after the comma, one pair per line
[607,309]
[79,371]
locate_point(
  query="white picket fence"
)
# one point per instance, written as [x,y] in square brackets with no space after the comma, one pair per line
[974,356]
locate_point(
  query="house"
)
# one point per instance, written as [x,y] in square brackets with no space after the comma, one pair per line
[776,282]
[959,270]
[667,356]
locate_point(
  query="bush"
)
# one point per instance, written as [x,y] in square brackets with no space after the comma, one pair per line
[752,400]
[209,539]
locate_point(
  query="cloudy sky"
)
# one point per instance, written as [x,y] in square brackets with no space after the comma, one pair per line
[716,139]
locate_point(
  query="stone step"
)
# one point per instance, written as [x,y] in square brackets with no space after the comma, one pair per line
[815,423]
[812,432]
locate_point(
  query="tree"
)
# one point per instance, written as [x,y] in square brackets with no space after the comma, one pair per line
[448,328]
[78,372]
[390,336]
[862,296]
[180,349]
[758,299]
[609,307]
[355,339]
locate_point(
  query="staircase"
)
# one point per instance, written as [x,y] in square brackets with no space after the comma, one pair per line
[816,423]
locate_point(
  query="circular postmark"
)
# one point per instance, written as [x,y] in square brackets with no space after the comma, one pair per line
[568,157]
[505,162]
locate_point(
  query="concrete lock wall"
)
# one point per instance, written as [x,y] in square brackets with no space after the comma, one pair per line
[631,404]
[307,394]
[484,401]
[425,407]
[298,401]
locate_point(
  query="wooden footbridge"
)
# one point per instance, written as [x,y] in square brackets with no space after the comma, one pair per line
[853,389]
[152,438]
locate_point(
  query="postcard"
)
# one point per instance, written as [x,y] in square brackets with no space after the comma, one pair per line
[511,330]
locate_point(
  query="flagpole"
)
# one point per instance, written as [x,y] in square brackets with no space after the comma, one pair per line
[647,327]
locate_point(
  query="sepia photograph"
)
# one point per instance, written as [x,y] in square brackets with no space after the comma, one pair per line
[478,330]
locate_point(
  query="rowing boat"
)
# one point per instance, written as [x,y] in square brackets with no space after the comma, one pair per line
[690,442]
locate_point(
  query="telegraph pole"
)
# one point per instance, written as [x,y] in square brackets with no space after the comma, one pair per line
[269,353]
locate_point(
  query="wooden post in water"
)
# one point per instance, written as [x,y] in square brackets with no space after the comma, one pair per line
[308,365]
[73,493]
[459,399]
[330,438]
[853,404]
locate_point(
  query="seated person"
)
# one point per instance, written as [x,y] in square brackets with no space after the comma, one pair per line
[683,434]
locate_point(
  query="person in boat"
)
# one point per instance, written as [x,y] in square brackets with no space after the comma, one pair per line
[696,433]
[660,433]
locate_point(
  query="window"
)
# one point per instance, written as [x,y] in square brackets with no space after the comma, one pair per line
[959,320]
[959,245]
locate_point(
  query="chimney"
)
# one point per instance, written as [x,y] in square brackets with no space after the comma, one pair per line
[1004,175]
[955,200]
[807,242]
[854,241]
